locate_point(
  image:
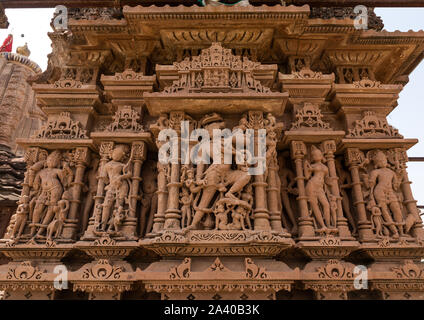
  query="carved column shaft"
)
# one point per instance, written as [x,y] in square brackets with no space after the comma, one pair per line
[364,226]
[173,213]
[159,219]
[273,194]
[329,149]
[306,227]
[71,225]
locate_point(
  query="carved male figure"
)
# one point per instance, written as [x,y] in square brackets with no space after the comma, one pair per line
[116,174]
[384,183]
[49,183]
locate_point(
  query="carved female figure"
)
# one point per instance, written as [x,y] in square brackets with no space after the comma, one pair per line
[186,200]
[316,174]
[116,175]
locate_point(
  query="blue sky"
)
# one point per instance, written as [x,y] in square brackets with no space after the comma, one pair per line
[408,117]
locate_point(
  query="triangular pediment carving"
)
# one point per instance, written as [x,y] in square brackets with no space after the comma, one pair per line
[217,69]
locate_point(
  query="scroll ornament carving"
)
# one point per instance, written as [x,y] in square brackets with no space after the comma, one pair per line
[61,127]
[216,69]
[253,271]
[371,126]
[25,271]
[126,119]
[335,270]
[409,270]
[310,117]
[102,270]
[181,271]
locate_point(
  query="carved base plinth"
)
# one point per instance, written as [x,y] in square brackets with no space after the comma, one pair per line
[103,279]
[386,250]
[214,243]
[35,252]
[327,248]
[107,248]
[329,279]
[222,278]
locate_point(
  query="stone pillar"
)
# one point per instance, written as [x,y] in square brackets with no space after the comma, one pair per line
[159,219]
[273,194]
[329,148]
[353,158]
[409,201]
[306,226]
[173,213]
[105,151]
[261,215]
[81,157]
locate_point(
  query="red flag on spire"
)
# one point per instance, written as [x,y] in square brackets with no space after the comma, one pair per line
[7,44]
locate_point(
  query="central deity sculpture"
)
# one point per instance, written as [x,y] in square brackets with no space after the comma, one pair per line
[219,181]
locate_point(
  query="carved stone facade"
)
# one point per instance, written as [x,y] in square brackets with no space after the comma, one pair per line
[310,93]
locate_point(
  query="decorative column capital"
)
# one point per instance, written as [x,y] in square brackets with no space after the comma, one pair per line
[82,155]
[139,150]
[298,149]
[354,157]
[329,147]
[106,149]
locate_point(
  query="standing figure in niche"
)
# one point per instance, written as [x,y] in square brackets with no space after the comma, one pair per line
[149,200]
[345,182]
[49,184]
[316,174]
[21,218]
[116,175]
[287,180]
[91,191]
[384,183]
[186,200]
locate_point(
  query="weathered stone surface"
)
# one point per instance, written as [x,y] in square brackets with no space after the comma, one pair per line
[334,193]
